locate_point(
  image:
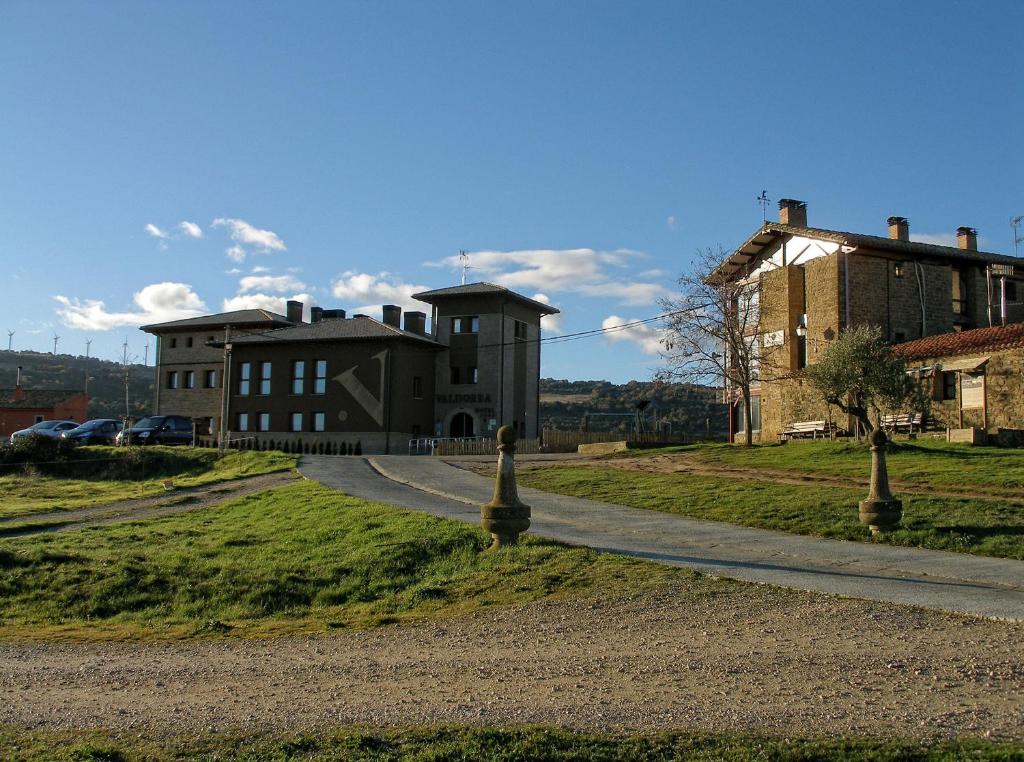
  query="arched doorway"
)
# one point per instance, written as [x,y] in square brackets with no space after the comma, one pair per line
[461,425]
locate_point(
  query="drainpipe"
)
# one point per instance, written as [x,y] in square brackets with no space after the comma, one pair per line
[387,408]
[1002,299]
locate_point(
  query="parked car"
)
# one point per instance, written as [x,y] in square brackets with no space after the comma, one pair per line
[51,429]
[159,429]
[96,431]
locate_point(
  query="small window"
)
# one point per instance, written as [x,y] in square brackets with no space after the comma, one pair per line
[172,379]
[265,368]
[39,419]
[320,381]
[949,385]
[898,270]
[210,339]
[1011,290]
[455,375]
[210,379]
[264,421]
[318,421]
[174,343]
[298,376]
[244,375]
[899,336]
[296,421]
[190,379]
[188,341]
[417,388]
[520,330]
[243,421]
[467,324]
[471,376]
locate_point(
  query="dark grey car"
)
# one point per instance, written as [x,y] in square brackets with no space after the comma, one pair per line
[160,429]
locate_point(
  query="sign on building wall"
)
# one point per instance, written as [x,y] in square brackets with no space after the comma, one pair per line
[774,338]
[972,389]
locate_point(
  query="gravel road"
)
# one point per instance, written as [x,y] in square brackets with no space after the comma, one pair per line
[749,658]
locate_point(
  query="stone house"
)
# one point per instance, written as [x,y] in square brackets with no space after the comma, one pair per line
[338,380]
[974,379]
[815,282]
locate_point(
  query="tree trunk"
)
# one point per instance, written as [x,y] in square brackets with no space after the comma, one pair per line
[748,432]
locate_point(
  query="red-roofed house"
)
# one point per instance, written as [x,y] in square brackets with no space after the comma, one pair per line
[976,377]
[20,408]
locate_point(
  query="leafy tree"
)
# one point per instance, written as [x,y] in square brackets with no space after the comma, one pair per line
[858,372]
[712,333]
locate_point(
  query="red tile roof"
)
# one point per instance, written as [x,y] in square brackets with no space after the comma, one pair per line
[963,343]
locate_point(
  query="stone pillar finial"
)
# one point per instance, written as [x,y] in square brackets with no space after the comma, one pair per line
[505,517]
[881,512]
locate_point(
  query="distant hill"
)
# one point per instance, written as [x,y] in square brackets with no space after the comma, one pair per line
[688,408]
[106,380]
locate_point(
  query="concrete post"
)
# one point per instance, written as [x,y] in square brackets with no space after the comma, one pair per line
[505,517]
[881,512]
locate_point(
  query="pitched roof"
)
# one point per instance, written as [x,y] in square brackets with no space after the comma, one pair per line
[37,399]
[483,289]
[992,339]
[237,317]
[356,328]
[754,246]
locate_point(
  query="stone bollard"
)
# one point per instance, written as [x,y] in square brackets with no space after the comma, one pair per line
[881,512]
[505,517]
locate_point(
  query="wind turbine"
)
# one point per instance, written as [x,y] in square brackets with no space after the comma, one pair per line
[56,338]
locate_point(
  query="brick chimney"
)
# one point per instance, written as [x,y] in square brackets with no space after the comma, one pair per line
[899,228]
[316,314]
[392,315]
[19,393]
[967,238]
[792,212]
[293,311]
[416,322]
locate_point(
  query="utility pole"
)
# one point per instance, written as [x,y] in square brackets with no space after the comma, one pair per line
[1015,223]
[56,338]
[88,343]
[127,407]
[225,392]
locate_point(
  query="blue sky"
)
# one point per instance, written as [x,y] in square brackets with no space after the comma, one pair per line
[583,151]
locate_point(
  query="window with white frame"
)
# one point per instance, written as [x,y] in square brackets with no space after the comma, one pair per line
[319,419]
[320,378]
[243,422]
[265,369]
[244,376]
[466,324]
[264,421]
[296,422]
[172,379]
[298,376]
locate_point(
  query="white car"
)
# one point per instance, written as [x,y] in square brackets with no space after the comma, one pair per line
[52,429]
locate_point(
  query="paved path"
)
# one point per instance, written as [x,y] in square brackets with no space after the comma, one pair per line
[959,583]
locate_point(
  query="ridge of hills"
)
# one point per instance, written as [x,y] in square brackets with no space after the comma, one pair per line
[43,370]
[687,408]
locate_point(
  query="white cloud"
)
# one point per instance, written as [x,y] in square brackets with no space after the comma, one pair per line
[937,239]
[154,231]
[278,283]
[672,222]
[371,291]
[235,253]
[269,302]
[583,271]
[260,269]
[551,323]
[649,339]
[245,234]
[191,229]
[233,271]
[156,303]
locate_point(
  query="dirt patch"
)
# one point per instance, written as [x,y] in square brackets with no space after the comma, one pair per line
[171,502]
[743,658]
[681,463]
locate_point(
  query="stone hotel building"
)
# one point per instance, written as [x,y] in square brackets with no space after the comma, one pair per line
[339,380]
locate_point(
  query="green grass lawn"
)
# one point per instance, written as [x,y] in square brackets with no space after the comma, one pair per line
[297,558]
[983,527]
[927,462]
[492,745]
[144,468]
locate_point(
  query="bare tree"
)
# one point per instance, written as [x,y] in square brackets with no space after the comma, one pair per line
[711,330]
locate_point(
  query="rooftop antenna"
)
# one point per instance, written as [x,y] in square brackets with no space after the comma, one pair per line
[1015,223]
[10,340]
[464,258]
[763,200]
[56,338]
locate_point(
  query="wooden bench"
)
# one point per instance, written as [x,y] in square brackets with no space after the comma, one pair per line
[812,429]
[897,421]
